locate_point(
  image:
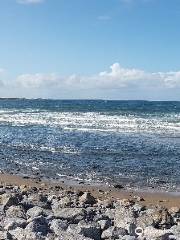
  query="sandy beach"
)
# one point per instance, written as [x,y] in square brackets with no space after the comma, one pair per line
[165,199]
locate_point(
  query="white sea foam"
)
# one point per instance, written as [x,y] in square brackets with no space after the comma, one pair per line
[35,168]
[93,121]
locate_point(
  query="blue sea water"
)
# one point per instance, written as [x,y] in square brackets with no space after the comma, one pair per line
[133,143]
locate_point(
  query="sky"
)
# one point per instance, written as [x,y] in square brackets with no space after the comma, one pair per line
[90,49]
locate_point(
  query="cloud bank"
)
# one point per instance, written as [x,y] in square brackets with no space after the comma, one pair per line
[116,78]
[117,82]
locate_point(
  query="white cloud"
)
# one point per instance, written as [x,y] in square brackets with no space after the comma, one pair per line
[117,77]
[37,80]
[29,1]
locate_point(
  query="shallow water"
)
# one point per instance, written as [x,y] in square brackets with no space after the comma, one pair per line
[136,143]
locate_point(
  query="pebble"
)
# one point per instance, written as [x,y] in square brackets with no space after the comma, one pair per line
[118,186]
[31,213]
[87,198]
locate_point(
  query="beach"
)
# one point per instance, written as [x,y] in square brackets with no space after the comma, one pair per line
[36,209]
[89,120]
[132,143]
[82,169]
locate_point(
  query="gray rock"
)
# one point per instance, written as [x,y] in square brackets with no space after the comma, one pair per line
[16,211]
[16,188]
[34,212]
[23,234]
[145,220]
[12,223]
[175,213]
[87,230]
[57,226]
[167,236]
[51,197]
[74,214]
[17,233]
[127,237]
[153,233]
[51,236]
[124,217]
[28,214]
[48,214]
[73,228]
[100,216]
[8,200]
[4,235]
[110,213]
[91,212]
[2,210]
[63,202]
[162,219]
[2,191]
[174,210]
[113,233]
[71,236]
[107,203]
[38,225]
[176,231]
[138,208]
[36,200]
[90,230]
[159,218]
[87,198]
[104,224]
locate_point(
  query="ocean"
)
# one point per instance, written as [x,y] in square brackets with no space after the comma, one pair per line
[132,143]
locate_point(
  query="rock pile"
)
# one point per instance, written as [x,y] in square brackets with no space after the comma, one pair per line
[30,213]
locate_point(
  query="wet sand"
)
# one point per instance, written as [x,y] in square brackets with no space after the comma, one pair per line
[154,198]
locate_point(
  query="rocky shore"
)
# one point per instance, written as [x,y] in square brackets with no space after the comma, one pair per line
[43,212]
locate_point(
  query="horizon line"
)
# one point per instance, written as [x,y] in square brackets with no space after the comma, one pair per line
[85,99]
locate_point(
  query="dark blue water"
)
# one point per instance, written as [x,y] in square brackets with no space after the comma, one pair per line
[135,143]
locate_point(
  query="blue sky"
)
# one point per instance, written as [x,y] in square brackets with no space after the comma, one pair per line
[113,49]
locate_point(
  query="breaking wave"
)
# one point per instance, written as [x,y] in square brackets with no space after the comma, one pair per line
[93,121]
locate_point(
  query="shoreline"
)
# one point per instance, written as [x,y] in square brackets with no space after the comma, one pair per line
[151,198]
[34,209]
